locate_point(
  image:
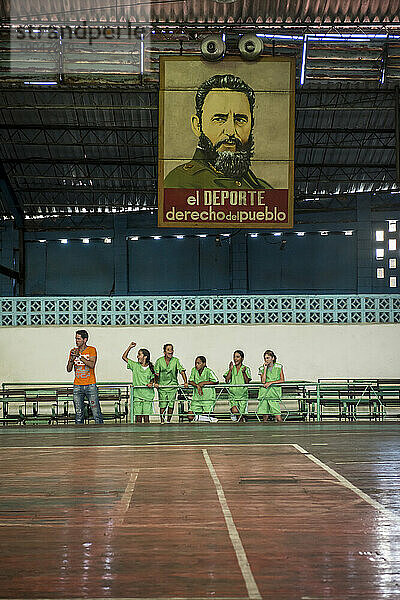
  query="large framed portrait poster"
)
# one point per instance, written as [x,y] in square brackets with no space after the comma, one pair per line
[226,142]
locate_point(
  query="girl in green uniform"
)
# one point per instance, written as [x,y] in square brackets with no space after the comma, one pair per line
[203,399]
[166,370]
[143,376]
[238,396]
[269,395]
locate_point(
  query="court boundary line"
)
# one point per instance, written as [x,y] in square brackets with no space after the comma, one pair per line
[347,484]
[141,446]
[251,585]
[126,498]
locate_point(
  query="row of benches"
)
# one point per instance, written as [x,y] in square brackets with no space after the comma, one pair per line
[352,399]
[52,403]
[343,399]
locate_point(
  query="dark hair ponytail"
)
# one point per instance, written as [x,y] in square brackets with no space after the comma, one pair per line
[146,353]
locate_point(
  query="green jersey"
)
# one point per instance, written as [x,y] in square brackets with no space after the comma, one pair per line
[273,374]
[238,393]
[168,373]
[141,376]
[208,392]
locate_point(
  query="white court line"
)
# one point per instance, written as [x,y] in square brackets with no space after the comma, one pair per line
[252,589]
[133,447]
[347,484]
[126,498]
[367,462]
[121,510]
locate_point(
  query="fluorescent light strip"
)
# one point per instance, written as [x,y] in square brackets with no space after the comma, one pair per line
[330,37]
[382,79]
[141,54]
[303,61]
[40,82]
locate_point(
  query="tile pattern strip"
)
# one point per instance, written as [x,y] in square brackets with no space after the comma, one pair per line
[199,310]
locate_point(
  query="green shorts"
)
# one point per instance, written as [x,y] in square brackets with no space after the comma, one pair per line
[166,398]
[142,407]
[241,405]
[269,406]
[201,406]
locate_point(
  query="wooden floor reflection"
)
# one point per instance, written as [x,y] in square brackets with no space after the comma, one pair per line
[291,512]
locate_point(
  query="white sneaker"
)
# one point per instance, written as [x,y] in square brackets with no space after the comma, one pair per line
[233,417]
[206,419]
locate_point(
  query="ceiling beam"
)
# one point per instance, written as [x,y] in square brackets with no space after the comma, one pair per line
[10,199]
[10,273]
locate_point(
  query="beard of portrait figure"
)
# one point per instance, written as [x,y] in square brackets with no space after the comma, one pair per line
[230,164]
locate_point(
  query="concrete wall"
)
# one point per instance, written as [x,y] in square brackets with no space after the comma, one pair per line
[39,354]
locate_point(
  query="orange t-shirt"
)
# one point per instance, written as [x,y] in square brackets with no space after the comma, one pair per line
[84,375]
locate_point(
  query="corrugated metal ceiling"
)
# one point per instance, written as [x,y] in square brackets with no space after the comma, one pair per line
[210,11]
[69,150]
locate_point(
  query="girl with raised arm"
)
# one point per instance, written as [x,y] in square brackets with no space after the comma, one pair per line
[143,383]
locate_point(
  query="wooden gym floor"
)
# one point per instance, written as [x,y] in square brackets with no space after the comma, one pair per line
[299,511]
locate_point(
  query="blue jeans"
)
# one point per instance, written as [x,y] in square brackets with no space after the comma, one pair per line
[90,391]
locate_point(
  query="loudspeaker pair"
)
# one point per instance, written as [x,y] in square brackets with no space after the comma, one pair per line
[213,47]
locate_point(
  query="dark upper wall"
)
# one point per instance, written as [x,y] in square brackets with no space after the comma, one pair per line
[312,263]
[230,262]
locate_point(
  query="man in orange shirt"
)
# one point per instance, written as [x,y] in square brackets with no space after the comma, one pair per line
[83,359]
